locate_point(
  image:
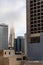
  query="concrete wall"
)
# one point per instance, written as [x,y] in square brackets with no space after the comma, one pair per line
[35,50]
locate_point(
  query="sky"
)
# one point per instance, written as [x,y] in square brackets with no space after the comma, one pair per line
[13,13]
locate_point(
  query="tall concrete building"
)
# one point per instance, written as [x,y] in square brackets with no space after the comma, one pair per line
[3,36]
[34,10]
[34,20]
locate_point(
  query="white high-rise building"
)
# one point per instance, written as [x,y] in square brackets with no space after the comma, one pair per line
[11,39]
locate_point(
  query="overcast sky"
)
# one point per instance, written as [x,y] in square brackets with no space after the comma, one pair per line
[13,12]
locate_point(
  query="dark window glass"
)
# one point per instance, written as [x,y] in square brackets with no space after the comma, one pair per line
[42,24]
[31,32]
[38,21]
[42,6]
[5,53]
[35,25]
[9,53]
[34,14]
[42,2]
[38,6]
[31,22]
[31,8]
[41,16]
[41,9]
[38,28]
[41,20]
[38,31]
[34,21]
[34,18]
[38,10]
[38,3]
[31,29]
[31,12]
[31,15]
[34,0]
[35,29]
[38,17]
[34,11]
[38,13]
[31,5]
[19,59]
[31,25]
[38,24]
[31,1]
[31,18]
[41,13]
[34,4]
[34,7]
[42,27]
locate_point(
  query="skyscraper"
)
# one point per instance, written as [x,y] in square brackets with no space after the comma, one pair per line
[34,9]
[3,36]
[34,12]
[11,39]
[19,44]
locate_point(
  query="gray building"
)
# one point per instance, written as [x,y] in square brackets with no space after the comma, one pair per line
[3,36]
[19,44]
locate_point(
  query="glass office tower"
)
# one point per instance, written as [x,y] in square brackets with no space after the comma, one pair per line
[3,37]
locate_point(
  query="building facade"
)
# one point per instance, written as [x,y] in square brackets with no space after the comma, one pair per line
[3,36]
[19,44]
[34,20]
[34,12]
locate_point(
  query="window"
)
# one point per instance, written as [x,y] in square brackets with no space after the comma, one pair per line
[38,6]
[31,25]
[34,21]
[31,29]
[38,10]
[41,9]
[35,29]
[35,25]
[38,24]
[42,6]
[41,16]
[42,27]
[38,3]
[34,0]
[34,4]
[41,20]
[34,18]
[31,8]
[34,11]
[39,28]
[31,5]
[42,2]
[31,22]
[5,53]
[38,21]
[38,14]
[9,53]
[41,13]
[31,18]
[38,17]
[34,7]
[34,14]
[31,15]
[35,39]
[31,12]
[19,59]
